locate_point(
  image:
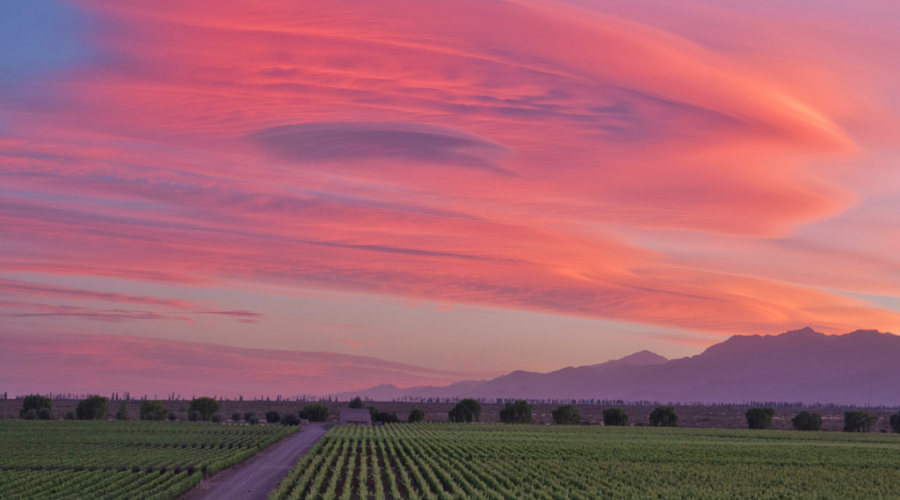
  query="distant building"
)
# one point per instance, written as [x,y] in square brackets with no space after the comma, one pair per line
[355,416]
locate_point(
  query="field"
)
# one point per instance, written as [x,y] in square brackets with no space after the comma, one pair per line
[133,460]
[491,461]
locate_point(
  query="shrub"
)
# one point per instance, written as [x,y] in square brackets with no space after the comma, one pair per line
[29,414]
[44,414]
[92,408]
[466,410]
[290,419]
[248,416]
[156,408]
[357,403]
[315,412]
[858,421]
[172,417]
[516,413]
[385,417]
[194,416]
[372,411]
[664,416]
[236,417]
[148,416]
[253,420]
[760,418]
[272,417]
[615,416]
[895,423]
[34,402]
[806,421]
[216,418]
[416,415]
[566,415]
[206,407]
[122,414]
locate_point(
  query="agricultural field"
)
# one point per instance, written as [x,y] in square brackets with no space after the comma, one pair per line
[493,461]
[128,460]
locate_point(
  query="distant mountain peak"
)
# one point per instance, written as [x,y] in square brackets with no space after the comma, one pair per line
[642,358]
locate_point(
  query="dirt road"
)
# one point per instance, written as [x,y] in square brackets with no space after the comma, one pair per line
[253,479]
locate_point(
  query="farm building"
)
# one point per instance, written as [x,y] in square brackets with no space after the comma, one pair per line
[354,416]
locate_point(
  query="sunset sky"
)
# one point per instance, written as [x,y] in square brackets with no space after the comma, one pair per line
[467,186]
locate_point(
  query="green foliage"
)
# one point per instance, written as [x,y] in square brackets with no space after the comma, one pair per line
[385,417]
[372,410]
[44,414]
[858,421]
[217,418]
[467,410]
[664,416]
[92,408]
[29,414]
[94,460]
[507,462]
[356,403]
[290,419]
[806,421]
[235,417]
[615,417]
[35,402]
[122,414]
[248,416]
[518,412]
[317,412]
[206,407]
[172,417]
[158,410]
[416,415]
[760,418]
[148,416]
[273,417]
[895,423]
[70,415]
[566,415]
[253,420]
[194,416]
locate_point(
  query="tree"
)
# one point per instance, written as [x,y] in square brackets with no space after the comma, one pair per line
[194,416]
[357,403]
[92,408]
[44,414]
[664,416]
[760,418]
[290,419]
[122,414]
[858,421]
[158,410]
[205,407]
[35,402]
[615,417]
[372,410]
[416,415]
[172,417]
[236,417]
[248,416]
[272,417]
[806,421]
[516,413]
[385,417]
[466,410]
[566,415]
[217,418]
[29,414]
[895,423]
[315,412]
[253,420]
[70,415]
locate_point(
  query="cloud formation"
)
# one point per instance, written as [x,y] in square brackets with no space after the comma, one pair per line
[711,168]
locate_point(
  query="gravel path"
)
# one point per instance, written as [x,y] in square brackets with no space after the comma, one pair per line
[254,478]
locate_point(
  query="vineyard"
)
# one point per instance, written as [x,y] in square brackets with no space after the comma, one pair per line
[134,460]
[456,461]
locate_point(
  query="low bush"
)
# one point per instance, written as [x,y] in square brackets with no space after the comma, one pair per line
[30,414]
[385,417]
[236,417]
[216,418]
[416,415]
[253,420]
[248,416]
[44,414]
[806,421]
[760,418]
[122,414]
[290,419]
[273,417]
[615,417]
[664,416]
[172,417]
[70,415]
[148,416]
[194,416]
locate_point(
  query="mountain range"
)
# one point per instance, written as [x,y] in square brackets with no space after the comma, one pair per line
[862,367]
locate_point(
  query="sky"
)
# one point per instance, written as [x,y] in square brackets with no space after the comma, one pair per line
[460,189]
